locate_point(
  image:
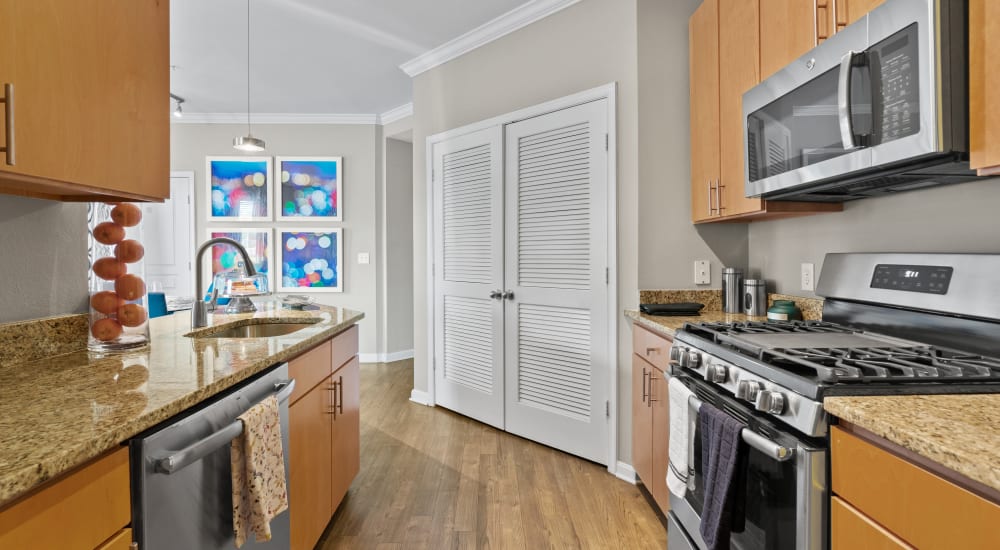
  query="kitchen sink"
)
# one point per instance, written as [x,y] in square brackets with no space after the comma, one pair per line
[263,330]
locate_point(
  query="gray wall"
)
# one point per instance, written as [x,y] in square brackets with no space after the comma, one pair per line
[399,246]
[357,144]
[668,242]
[43,258]
[958,218]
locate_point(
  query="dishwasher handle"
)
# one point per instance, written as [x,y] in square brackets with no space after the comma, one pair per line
[204,447]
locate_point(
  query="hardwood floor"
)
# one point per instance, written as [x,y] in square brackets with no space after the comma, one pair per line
[431,478]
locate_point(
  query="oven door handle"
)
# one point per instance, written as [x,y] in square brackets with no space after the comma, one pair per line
[204,447]
[750,437]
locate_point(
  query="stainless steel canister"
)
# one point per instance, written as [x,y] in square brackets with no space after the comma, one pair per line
[732,290]
[755,297]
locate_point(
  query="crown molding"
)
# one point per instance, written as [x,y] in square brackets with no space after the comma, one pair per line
[399,113]
[276,118]
[503,25]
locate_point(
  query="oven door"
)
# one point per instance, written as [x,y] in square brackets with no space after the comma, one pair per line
[785,500]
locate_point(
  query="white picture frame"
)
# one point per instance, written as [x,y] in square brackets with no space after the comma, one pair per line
[323,202]
[292,265]
[231,198]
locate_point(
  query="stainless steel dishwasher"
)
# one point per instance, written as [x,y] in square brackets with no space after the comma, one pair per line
[181,476]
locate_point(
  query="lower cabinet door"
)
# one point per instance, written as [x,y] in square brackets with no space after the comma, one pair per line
[642,427]
[661,438]
[346,430]
[121,541]
[310,445]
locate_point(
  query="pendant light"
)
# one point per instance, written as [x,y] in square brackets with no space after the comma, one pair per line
[248,142]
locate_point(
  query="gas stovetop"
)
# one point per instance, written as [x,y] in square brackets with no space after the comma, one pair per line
[827,353]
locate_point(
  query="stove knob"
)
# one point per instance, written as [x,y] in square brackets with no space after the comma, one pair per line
[770,401]
[715,373]
[694,359]
[747,390]
[675,353]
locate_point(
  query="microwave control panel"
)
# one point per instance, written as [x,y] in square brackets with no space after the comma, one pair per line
[929,279]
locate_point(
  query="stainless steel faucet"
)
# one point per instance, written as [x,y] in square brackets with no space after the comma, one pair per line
[199,313]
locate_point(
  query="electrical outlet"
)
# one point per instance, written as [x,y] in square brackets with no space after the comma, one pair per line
[363,258]
[808,272]
[702,272]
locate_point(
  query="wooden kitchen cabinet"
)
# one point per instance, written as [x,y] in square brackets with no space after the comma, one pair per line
[833,15]
[86,508]
[650,414]
[787,32]
[903,503]
[725,60]
[90,115]
[984,86]
[324,434]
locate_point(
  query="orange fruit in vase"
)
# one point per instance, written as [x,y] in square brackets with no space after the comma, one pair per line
[109,233]
[109,269]
[130,287]
[106,302]
[129,251]
[106,329]
[131,315]
[126,214]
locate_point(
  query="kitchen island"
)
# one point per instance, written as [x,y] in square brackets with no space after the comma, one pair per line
[60,412]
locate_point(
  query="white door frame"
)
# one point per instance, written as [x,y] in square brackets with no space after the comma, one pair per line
[609,92]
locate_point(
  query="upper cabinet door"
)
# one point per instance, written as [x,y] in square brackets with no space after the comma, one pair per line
[786,33]
[91,109]
[984,86]
[739,70]
[703,33]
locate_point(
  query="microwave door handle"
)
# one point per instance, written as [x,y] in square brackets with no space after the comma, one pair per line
[844,102]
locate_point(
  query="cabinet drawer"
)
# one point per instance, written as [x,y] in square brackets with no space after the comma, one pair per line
[345,347]
[309,369]
[851,529]
[121,541]
[652,347]
[920,507]
[81,510]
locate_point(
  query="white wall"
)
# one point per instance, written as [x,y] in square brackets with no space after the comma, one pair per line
[43,258]
[359,145]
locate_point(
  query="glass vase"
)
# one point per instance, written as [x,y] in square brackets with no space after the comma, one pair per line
[119,307]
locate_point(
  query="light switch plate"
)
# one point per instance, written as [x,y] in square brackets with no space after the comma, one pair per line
[363,258]
[702,272]
[808,280]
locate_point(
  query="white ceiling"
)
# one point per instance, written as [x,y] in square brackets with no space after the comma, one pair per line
[310,56]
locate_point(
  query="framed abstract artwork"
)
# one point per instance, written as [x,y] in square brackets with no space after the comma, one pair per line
[310,260]
[309,188]
[239,188]
[256,240]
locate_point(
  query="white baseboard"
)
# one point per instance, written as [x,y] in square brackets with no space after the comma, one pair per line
[625,472]
[421,397]
[385,357]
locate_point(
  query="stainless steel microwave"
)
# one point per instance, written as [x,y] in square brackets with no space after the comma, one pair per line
[879,107]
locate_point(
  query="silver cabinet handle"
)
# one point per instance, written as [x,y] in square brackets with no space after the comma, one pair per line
[644,376]
[8,109]
[204,447]
[340,400]
[718,190]
[710,191]
[508,295]
[650,401]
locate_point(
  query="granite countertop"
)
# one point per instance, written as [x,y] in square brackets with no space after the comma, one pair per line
[960,432]
[670,325]
[59,412]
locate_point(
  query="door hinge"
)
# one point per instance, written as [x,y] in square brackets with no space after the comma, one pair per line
[189,199]
[607,275]
[606,142]
[607,409]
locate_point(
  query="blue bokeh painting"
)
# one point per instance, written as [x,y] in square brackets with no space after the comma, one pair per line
[310,188]
[310,260]
[240,188]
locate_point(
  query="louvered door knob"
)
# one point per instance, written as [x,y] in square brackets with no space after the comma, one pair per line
[508,295]
[496,294]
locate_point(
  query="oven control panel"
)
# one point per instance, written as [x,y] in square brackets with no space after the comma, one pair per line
[929,279]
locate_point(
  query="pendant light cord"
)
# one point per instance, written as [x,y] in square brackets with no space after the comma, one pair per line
[249,133]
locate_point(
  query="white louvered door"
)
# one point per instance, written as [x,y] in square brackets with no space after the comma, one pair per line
[468,267]
[557,352]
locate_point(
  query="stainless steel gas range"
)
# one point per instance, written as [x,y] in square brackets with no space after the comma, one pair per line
[893,324]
